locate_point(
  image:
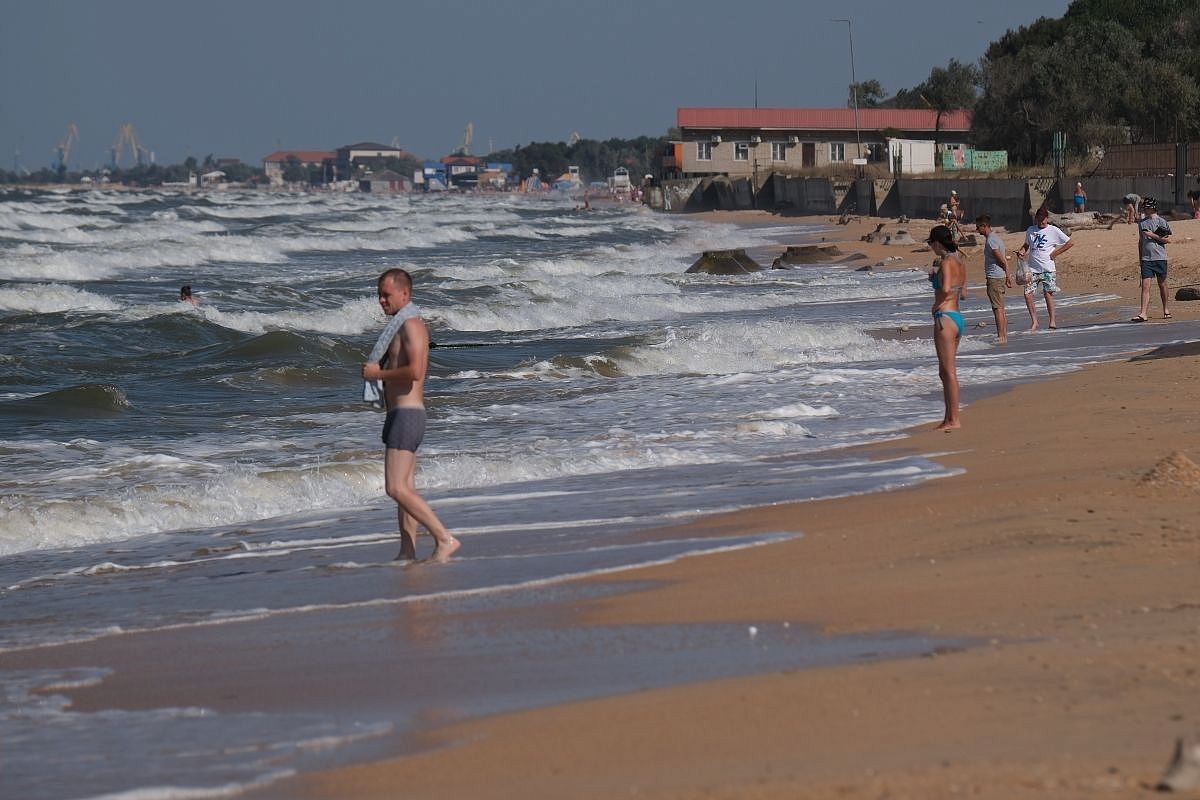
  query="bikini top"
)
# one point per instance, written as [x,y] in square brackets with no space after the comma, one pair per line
[935,280]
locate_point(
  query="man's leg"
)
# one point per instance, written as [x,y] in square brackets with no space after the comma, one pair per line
[1145,310]
[406,522]
[1162,293]
[1050,308]
[1001,324]
[399,471]
[1032,306]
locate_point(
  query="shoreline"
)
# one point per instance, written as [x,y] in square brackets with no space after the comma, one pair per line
[847,575]
[1090,615]
[1038,546]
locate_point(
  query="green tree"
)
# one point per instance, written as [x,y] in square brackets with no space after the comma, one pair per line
[870,94]
[294,171]
[955,86]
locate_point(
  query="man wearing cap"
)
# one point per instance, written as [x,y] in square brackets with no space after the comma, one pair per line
[1153,234]
[954,206]
[1043,243]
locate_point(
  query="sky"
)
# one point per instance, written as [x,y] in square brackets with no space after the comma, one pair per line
[242,78]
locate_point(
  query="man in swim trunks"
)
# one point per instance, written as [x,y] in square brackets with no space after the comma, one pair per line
[406,360]
[1043,243]
[1130,203]
[1153,235]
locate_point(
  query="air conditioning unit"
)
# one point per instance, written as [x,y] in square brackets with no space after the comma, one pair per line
[716,139]
[755,140]
[793,140]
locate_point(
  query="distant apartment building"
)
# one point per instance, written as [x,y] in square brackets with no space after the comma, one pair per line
[750,142]
[276,164]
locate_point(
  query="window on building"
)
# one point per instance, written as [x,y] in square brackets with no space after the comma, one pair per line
[741,151]
[837,151]
[704,151]
[778,151]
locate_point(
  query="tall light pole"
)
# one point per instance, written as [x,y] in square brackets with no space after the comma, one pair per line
[853,83]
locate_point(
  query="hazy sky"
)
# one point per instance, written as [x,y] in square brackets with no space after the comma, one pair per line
[242,78]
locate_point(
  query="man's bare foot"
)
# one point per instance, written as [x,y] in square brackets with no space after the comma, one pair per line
[1002,340]
[1033,327]
[948,426]
[443,550]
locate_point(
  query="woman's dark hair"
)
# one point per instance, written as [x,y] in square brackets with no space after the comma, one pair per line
[943,236]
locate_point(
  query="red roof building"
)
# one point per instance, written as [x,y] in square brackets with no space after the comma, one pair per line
[747,142]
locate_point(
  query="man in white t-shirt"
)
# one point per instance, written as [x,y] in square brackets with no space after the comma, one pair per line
[1043,243]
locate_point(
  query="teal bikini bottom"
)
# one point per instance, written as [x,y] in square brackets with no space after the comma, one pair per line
[956,317]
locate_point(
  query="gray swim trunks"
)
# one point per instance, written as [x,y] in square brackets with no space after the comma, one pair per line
[404,429]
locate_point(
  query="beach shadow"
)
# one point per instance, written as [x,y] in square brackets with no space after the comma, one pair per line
[1175,350]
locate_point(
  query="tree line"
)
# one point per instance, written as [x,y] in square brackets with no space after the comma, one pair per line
[140,175]
[1108,72]
[597,160]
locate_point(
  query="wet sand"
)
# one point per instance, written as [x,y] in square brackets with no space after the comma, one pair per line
[1069,544]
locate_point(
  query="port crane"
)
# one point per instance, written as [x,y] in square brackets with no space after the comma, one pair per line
[63,151]
[127,140]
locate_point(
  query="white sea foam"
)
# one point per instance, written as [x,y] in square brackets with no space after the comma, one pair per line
[352,318]
[51,298]
[230,496]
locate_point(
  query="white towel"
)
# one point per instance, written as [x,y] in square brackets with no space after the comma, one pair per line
[373,390]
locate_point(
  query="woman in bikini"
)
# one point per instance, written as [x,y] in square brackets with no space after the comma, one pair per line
[949,281]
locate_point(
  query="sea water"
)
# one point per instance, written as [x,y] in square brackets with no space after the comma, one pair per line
[167,466]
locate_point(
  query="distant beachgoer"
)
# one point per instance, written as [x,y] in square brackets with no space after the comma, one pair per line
[186,296]
[949,279]
[954,206]
[995,272]
[1130,203]
[1080,198]
[1153,234]
[406,358]
[1194,198]
[1043,243]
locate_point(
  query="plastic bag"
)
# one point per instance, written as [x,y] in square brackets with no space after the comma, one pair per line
[1024,273]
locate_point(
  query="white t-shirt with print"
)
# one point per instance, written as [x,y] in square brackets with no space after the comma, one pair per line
[1042,242]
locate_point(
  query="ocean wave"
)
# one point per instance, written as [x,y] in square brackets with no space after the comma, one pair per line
[84,400]
[237,494]
[52,298]
[352,318]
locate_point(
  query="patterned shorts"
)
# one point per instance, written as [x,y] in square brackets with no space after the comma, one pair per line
[1046,281]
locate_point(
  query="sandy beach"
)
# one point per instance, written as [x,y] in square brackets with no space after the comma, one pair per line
[1060,561]
[1067,548]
